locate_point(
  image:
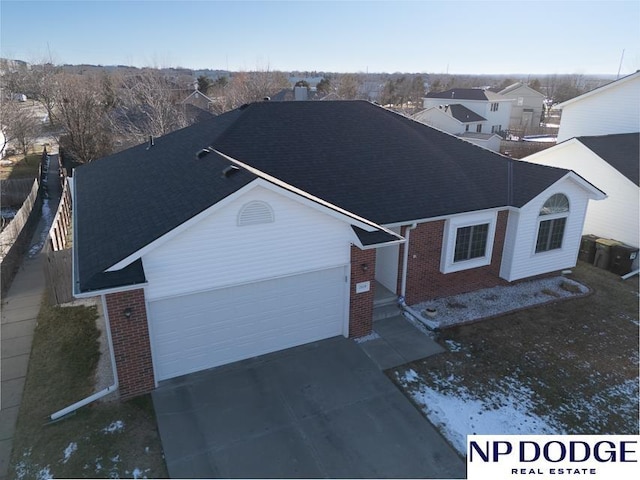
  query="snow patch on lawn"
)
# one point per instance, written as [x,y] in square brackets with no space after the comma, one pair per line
[114,427]
[137,473]
[457,413]
[72,447]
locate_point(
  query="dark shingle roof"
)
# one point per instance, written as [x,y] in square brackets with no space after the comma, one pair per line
[621,151]
[127,200]
[465,94]
[358,156]
[463,114]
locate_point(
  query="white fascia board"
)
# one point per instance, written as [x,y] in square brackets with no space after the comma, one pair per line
[448,216]
[531,158]
[315,205]
[106,291]
[381,245]
[592,192]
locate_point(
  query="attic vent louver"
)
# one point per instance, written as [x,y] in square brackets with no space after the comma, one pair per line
[255,213]
[230,170]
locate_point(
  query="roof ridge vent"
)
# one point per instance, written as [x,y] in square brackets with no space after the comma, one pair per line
[229,170]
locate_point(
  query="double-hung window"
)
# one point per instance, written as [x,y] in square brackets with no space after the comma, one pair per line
[471,242]
[552,221]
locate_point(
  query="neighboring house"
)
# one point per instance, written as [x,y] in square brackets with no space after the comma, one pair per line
[493,107]
[199,100]
[612,162]
[459,120]
[272,225]
[527,107]
[612,108]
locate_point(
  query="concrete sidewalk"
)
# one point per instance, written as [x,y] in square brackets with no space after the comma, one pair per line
[20,309]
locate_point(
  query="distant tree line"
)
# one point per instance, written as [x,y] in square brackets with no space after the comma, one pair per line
[95,111]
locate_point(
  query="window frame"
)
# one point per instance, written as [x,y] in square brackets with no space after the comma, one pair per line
[450,234]
[552,217]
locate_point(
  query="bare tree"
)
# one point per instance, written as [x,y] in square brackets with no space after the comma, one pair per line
[19,126]
[80,110]
[347,86]
[247,87]
[41,85]
[148,104]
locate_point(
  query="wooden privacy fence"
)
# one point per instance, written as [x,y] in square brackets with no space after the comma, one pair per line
[15,237]
[58,266]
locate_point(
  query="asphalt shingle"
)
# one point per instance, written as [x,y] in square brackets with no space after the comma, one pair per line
[358,156]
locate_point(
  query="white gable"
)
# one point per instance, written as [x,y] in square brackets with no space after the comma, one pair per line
[218,252]
[519,259]
[614,108]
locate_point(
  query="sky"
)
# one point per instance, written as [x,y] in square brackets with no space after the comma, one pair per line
[457,37]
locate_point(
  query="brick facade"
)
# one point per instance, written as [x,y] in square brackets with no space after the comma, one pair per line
[131,343]
[424,279]
[361,304]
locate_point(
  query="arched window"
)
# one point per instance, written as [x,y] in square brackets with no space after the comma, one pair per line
[557,203]
[255,213]
[551,223]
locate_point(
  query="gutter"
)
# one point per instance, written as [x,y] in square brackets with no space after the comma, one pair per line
[102,393]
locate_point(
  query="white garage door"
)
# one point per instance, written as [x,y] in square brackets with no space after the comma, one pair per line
[204,330]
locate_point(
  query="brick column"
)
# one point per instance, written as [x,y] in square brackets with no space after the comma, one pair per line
[361,304]
[131,343]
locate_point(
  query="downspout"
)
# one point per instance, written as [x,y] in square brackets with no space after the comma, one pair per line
[403,285]
[92,398]
[405,262]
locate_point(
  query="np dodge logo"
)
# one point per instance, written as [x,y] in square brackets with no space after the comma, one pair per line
[548,456]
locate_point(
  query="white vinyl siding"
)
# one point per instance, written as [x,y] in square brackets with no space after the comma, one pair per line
[387,259]
[216,252]
[520,259]
[614,110]
[618,216]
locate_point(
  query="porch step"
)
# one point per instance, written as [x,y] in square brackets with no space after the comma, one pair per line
[385,311]
[383,296]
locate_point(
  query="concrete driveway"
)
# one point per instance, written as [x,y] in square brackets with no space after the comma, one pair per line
[320,410]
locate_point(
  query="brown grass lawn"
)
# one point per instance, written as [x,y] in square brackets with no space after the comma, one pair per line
[102,440]
[22,167]
[578,358]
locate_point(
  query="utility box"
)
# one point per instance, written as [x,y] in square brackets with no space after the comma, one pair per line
[603,253]
[588,248]
[622,257]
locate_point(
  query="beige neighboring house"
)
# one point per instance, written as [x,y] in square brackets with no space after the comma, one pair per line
[526,109]
[612,108]
[461,122]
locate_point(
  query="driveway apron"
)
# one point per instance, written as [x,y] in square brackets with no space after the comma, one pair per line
[319,410]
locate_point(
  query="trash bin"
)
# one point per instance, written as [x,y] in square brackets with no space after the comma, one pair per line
[622,257]
[603,253]
[588,248]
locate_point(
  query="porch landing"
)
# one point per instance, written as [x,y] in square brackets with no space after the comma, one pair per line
[398,342]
